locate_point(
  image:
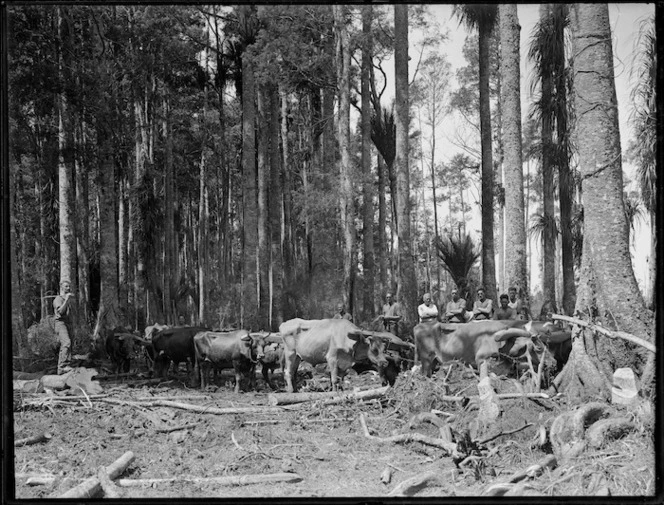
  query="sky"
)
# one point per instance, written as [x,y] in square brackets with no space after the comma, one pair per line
[625,20]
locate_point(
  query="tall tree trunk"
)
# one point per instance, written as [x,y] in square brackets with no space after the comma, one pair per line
[565,181]
[264,120]
[169,211]
[65,170]
[368,180]
[19,335]
[488,249]
[249,309]
[343,134]
[516,274]
[123,230]
[549,233]
[108,316]
[382,224]
[288,240]
[275,201]
[407,289]
[82,218]
[608,289]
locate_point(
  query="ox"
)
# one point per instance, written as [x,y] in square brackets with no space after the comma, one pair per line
[228,349]
[477,341]
[337,342]
[272,356]
[173,344]
[120,347]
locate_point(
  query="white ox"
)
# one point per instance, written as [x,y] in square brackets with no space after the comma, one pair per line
[337,342]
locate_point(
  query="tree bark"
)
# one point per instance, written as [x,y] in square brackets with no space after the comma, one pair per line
[275,201]
[407,287]
[516,274]
[342,37]
[264,119]
[369,310]
[608,289]
[548,212]
[488,248]
[249,303]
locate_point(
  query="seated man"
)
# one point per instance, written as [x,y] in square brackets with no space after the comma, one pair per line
[504,311]
[483,307]
[427,311]
[455,311]
[516,304]
[341,313]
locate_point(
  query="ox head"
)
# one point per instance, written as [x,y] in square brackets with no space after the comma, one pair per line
[371,347]
[253,345]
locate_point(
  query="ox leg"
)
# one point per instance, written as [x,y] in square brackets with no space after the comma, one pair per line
[290,372]
[238,379]
[205,370]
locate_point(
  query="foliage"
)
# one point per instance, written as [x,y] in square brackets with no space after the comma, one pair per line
[458,255]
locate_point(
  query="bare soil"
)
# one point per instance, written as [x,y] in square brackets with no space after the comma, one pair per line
[324,445]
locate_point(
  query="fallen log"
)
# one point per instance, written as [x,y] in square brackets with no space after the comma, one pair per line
[35,439]
[235,480]
[448,447]
[608,333]
[91,487]
[109,489]
[412,486]
[336,397]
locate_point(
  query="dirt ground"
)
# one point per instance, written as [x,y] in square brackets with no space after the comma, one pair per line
[324,445]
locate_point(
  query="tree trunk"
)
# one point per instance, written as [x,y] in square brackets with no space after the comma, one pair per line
[249,314]
[382,223]
[264,119]
[608,290]
[169,216]
[275,201]
[288,246]
[368,179]
[108,314]
[488,249]
[407,287]
[516,274]
[548,213]
[343,135]
[82,218]
[565,182]
[123,229]
[65,171]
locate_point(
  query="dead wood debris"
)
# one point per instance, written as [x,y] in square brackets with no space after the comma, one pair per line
[35,439]
[412,486]
[92,486]
[234,480]
[448,447]
[608,333]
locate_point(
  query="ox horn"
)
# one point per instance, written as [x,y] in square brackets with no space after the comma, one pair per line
[508,333]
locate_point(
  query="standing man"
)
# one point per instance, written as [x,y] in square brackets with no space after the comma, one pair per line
[391,314]
[62,310]
[341,313]
[483,307]
[455,311]
[427,311]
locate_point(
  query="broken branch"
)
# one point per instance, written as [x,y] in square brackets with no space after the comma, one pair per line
[608,333]
[329,397]
[235,480]
[35,439]
[90,487]
[449,447]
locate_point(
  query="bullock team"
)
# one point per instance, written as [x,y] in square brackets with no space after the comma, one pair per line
[342,345]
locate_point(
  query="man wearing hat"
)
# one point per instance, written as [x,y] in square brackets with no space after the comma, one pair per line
[427,311]
[455,311]
[62,310]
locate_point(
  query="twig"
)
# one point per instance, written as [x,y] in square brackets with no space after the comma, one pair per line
[449,447]
[487,440]
[235,442]
[177,428]
[611,334]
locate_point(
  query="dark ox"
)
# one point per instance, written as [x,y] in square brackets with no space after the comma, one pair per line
[337,342]
[120,345]
[397,352]
[477,341]
[272,356]
[228,349]
[173,344]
